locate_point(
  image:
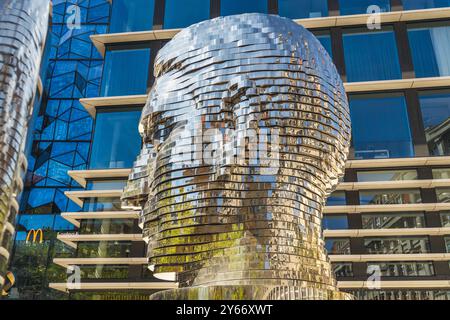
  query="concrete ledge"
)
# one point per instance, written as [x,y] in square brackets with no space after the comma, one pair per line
[390,257]
[81,176]
[66,287]
[400,184]
[65,262]
[401,284]
[91,104]
[401,84]
[78,196]
[429,207]
[356,233]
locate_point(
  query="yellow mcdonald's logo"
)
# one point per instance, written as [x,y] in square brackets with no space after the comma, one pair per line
[33,234]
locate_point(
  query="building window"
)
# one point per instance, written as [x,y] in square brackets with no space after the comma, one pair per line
[183,13]
[106,226]
[230,7]
[362,6]
[102,204]
[405,269]
[393,220]
[430,46]
[295,9]
[443,195]
[337,246]
[335,222]
[447,244]
[441,173]
[342,270]
[104,249]
[389,197]
[129,16]
[397,245]
[425,4]
[380,126]
[435,107]
[371,55]
[325,39]
[125,72]
[104,272]
[386,175]
[106,184]
[116,140]
[445,219]
[337,198]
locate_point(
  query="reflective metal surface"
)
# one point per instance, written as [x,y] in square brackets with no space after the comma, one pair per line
[246,131]
[23,27]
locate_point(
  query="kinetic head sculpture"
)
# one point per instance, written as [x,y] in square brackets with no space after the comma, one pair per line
[245,132]
[23,27]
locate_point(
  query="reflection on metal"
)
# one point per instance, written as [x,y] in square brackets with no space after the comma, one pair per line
[22,34]
[33,236]
[10,280]
[246,132]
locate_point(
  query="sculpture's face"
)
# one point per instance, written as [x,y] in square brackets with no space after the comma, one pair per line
[223,89]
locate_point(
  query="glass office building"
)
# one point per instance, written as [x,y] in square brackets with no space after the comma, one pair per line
[390,213]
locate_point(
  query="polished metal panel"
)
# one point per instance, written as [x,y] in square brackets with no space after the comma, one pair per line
[245,132]
[23,27]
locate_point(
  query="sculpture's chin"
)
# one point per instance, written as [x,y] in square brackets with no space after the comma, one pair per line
[167,276]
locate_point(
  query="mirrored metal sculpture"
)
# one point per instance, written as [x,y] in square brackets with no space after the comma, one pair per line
[23,27]
[245,132]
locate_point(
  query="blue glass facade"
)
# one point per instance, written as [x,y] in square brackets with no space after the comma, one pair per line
[380,127]
[295,9]
[360,6]
[125,72]
[128,16]
[335,222]
[424,4]
[371,55]
[230,7]
[429,48]
[182,13]
[116,141]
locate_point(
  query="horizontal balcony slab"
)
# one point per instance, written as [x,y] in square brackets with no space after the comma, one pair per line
[349,209]
[67,287]
[78,196]
[400,184]
[65,262]
[401,284]
[390,257]
[358,233]
[91,104]
[82,176]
